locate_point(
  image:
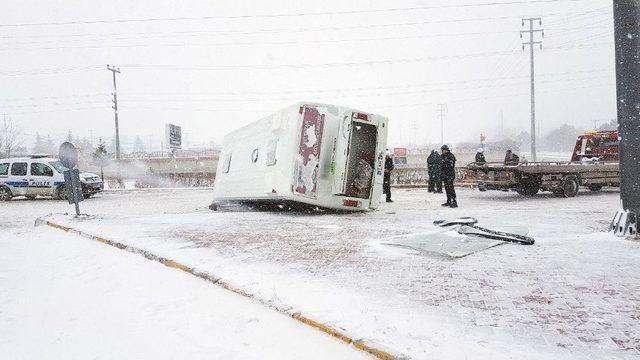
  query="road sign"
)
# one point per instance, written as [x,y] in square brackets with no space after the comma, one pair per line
[68,155]
[173,134]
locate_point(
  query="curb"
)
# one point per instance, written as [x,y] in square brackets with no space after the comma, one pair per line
[361,345]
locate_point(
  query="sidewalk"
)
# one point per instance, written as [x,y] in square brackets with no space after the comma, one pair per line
[64,297]
[575,294]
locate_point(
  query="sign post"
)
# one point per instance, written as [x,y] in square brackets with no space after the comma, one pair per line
[626,14]
[73,189]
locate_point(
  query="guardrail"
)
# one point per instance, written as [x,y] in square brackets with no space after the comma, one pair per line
[418,177]
[168,154]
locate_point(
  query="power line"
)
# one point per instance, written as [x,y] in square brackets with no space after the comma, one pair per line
[47,71]
[345,94]
[350,91]
[281,15]
[183,44]
[55,97]
[26,46]
[154,35]
[405,105]
[573,16]
[287,42]
[335,64]
[51,70]
[137,100]
[263,31]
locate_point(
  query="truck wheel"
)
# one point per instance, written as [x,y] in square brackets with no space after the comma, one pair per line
[595,187]
[5,194]
[529,190]
[570,186]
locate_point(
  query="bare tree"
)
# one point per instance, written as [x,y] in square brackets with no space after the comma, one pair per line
[9,136]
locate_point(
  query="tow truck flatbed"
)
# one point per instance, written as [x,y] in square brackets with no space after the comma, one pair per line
[561,178]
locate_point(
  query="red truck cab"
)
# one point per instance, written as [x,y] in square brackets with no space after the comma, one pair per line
[597,145]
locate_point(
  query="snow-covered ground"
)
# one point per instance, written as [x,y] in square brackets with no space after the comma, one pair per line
[574,294]
[64,297]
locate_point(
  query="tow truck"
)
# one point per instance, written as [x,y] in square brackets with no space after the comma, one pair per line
[594,164]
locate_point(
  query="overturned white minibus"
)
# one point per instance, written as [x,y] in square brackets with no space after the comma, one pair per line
[308,154]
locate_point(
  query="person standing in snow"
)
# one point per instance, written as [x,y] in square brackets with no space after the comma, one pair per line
[480,160]
[449,176]
[511,159]
[434,169]
[388,168]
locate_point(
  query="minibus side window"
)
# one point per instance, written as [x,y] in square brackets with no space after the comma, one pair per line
[4,169]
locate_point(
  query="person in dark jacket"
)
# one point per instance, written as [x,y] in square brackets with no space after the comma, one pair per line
[449,176]
[511,159]
[480,160]
[434,169]
[386,184]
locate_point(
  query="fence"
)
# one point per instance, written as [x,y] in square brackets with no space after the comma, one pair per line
[418,177]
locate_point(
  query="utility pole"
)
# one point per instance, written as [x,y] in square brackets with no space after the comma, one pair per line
[532,31]
[115,71]
[415,132]
[626,14]
[441,112]
[501,123]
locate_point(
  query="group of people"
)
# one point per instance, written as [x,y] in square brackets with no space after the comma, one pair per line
[510,158]
[441,168]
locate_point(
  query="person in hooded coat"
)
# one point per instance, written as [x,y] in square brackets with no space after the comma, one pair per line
[434,170]
[388,168]
[480,159]
[449,176]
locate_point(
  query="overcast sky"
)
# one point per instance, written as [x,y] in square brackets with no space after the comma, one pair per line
[212,66]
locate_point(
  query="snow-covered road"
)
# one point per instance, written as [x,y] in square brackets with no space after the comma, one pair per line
[575,294]
[64,297]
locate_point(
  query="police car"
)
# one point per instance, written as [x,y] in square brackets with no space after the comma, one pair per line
[40,176]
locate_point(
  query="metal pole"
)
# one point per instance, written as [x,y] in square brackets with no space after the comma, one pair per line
[115,70]
[441,130]
[627,47]
[77,207]
[441,110]
[533,94]
[531,43]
